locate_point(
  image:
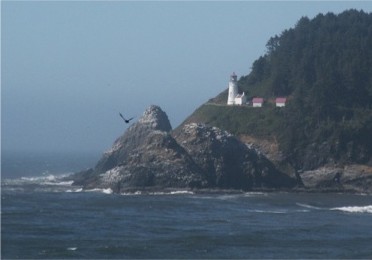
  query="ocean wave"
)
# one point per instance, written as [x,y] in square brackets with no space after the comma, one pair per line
[131,193]
[99,190]
[176,192]
[46,183]
[229,196]
[157,193]
[308,206]
[105,191]
[181,192]
[270,211]
[355,209]
[254,194]
[75,190]
[49,179]
[59,183]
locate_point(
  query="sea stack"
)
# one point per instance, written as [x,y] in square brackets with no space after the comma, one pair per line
[150,156]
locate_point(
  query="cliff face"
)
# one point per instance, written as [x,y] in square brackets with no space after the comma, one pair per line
[227,161]
[148,155]
[356,178]
[154,120]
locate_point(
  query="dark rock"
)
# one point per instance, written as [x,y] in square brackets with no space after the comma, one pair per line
[356,178]
[197,156]
[227,162]
[153,119]
[145,155]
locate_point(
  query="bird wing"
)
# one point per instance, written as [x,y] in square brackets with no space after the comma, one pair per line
[122,116]
[130,118]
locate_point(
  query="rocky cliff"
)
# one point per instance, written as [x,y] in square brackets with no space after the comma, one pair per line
[226,161]
[150,155]
[348,178]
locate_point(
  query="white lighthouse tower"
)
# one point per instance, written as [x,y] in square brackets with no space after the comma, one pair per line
[233,89]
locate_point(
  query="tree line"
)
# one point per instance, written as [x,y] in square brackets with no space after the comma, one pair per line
[324,65]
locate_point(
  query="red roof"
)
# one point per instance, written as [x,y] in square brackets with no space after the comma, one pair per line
[280,100]
[257,100]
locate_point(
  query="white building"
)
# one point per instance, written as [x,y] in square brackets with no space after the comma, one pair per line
[233,89]
[234,98]
[240,99]
[280,102]
[257,102]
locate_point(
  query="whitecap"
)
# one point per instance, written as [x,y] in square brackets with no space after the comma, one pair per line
[176,192]
[228,196]
[254,194]
[307,206]
[355,209]
[76,190]
[61,183]
[43,180]
[181,192]
[93,190]
[71,248]
[107,191]
[270,211]
[131,193]
[44,183]
[157,193]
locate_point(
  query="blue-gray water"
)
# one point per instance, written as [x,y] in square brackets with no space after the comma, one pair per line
[43,217]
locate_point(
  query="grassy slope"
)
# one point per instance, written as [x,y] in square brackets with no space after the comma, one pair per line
[238,120]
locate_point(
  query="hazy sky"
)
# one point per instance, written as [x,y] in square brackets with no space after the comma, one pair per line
[68,68]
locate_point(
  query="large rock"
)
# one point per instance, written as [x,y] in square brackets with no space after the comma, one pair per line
[153,120]
[197,156]
[227,162]
[355,178]
[146,155]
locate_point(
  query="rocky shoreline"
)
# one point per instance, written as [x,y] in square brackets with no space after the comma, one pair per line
[150,157]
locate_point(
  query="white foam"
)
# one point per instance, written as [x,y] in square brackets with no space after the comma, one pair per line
[105,191]
[254,194]
[52,180]
[270,211]
[131,193]
[158,193]
[181,192]
[71,248]
[177,192]
[355,209]
[307,206]
[37,179]
[76,190]
[62,183]
[228,197]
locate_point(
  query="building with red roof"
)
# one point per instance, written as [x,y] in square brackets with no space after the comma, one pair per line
[280,101]
[257,102]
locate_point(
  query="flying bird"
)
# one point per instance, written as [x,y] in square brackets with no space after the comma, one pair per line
[125,120]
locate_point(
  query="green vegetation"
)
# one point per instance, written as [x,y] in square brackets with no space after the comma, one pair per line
[327,59]
[324,67]
[240,119]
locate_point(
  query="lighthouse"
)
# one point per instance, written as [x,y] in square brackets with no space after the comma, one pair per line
[233,89]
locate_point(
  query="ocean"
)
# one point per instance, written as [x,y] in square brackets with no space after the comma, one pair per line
[43,216]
